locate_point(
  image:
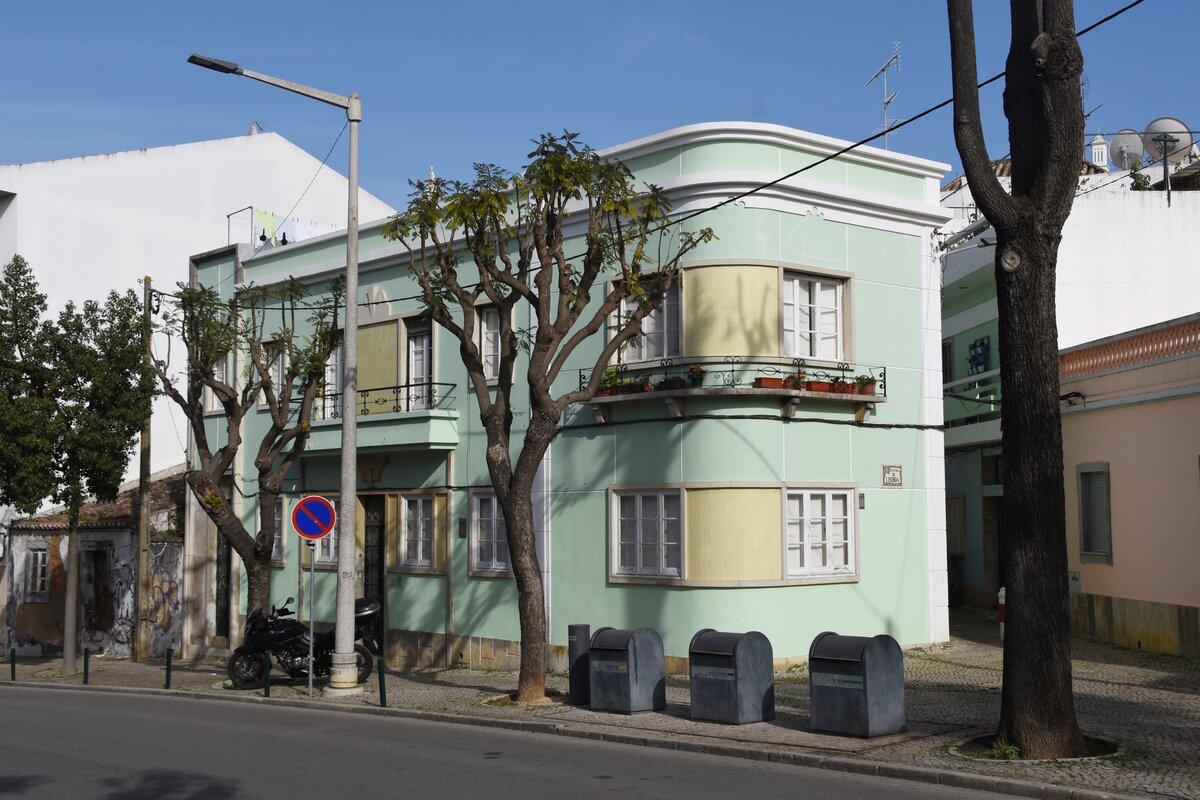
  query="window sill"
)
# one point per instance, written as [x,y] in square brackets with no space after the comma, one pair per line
[1096,558]
[477,572]
[415,569]
[807,580]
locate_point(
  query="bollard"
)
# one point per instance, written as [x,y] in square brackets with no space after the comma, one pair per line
[266,674]
[1001,598]
[382,686]
[579,639]
[12,662]
[168,683]
[85,666]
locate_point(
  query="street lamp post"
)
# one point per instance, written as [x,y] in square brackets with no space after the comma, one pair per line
[343,677]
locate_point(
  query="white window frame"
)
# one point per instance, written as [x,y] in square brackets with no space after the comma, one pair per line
[278,368]
[37,572]
[811,341]
[812,529]
[420,534]
[221,373]
[327,546]
[420,387]
[642,550]
[662,330]
[329,402]
[1095,514]
[490,530]
[489,340]
[277,548]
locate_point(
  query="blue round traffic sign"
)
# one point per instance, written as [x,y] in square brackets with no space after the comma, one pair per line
[313,517]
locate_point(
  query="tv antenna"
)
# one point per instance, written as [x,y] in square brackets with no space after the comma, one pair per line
[893,62]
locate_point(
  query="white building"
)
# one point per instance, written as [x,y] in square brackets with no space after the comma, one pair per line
[92,224]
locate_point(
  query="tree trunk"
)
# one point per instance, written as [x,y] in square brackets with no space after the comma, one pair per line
[1037,710]
[522,547]
[71,602]
[258,583]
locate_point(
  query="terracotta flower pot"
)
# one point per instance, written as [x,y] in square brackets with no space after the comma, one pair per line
[818,386]
[768,383]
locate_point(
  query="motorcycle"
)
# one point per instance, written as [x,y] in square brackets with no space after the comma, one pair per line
[287,640]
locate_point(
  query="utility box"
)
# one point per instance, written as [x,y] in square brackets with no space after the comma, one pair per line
[626,670]
[856,684]
[732,677]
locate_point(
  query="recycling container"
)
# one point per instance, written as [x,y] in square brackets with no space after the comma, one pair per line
[856,684]
[732,677]
[626,668]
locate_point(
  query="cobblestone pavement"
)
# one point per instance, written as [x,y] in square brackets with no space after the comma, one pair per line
[1150,704]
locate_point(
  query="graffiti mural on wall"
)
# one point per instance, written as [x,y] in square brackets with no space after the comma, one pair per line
[166,619]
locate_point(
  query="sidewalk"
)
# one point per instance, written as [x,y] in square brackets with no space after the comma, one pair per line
[1149,703]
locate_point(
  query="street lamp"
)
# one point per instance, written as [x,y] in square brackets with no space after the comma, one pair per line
[343,678]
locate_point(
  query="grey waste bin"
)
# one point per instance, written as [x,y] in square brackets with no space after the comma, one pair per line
[732,677]
[856,684]
[626,668]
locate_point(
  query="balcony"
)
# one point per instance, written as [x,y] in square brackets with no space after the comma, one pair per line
[792,381]
[411,415]
[971,408]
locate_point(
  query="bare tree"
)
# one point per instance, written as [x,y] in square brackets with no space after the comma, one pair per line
[512,227]
[1045,124]
[284,373]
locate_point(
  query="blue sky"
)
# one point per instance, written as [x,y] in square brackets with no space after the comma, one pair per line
[450,83]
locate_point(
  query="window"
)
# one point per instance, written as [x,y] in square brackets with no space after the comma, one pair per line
[1095,518]
[417,538]
[278,376]
[489,341]
[221,374]
[947,360]
[660,330]
[420,366]
[277,547]
[491,537]
[37,572]
[649,534]
[820,537]
[812,317]
[327,547]
[329,404]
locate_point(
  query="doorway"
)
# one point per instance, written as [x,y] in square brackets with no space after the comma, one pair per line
[374,556]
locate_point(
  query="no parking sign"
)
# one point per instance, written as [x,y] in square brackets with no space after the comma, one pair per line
[313,517]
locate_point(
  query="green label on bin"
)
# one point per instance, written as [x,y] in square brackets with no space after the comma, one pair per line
[837,681]
[610,666]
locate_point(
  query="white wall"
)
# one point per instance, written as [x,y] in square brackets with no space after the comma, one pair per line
[96,223]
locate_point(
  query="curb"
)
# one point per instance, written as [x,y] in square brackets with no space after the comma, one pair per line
[802,758]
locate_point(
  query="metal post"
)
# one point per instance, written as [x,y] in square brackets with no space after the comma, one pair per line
[12,662]
[312,576]
[382,685]
[266,674]
[141,635]
[86,653]
[343,674]
[168,683]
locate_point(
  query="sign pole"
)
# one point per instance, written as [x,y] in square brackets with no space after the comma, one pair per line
[312,574]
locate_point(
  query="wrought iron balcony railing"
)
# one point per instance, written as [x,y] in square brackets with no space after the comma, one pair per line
[405,398]
[796,376]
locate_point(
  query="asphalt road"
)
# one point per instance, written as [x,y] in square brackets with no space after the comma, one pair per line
[79,744]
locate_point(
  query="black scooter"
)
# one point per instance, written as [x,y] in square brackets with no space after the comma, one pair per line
[287,641]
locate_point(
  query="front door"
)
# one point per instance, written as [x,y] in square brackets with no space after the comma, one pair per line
[374,560]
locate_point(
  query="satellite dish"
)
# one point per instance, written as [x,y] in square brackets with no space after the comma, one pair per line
[1174,128]
[1125,150]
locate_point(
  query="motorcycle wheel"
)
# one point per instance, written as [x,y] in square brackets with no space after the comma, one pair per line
[365,662]
[245,668]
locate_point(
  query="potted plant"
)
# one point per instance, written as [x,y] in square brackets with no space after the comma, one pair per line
[795,381]
[674,382]
[821,385]
[695,374]
[864,384]
[840,385]
[610,382]
[765,382]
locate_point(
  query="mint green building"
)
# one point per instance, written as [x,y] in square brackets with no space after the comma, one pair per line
[740,478]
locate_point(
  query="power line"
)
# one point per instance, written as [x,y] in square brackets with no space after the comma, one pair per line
[825,159]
